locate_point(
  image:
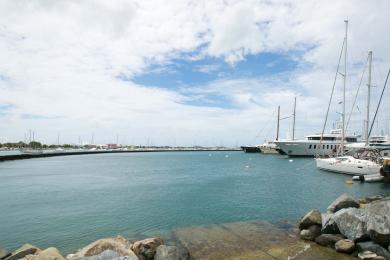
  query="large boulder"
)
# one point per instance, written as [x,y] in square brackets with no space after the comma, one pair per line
[146,249]
[311,233]
[352,223]
[311,218]
[342,202]
[329,226]
[345,246]
[369,199]
[328,240]
[164,252]
[367,255]
[109,255]
[50,253]
[373,247]
[117,244]
[26,249]
[378,223]
[4,254]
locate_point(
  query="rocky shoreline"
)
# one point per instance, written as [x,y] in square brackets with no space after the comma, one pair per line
[350,228]
[360,228]
[118,248]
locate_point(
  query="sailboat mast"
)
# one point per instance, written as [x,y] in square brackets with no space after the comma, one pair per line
[295,106]
[368,95]
[344,86]
[277,126]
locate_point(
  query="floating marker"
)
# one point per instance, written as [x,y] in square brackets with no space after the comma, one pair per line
[290,160]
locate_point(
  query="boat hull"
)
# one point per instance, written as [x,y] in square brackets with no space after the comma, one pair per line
[308,148]
[251,149]
[350,166]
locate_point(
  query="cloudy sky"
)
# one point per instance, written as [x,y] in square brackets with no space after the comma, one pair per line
[183,72]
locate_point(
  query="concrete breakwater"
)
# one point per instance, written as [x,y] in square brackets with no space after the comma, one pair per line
[67,153]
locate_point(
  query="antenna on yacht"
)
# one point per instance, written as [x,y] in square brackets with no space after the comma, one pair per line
[344,85]
[368,95]
[277,126]
[295,106]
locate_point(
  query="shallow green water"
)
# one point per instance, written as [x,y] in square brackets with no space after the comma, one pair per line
[70,201]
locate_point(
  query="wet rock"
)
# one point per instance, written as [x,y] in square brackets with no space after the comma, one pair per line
[117,244]
[345,246]
[373,247]
[4,254]
[146,249]
[164,252]
[311,218]
[342,202]
[329,226]
[109,255]
[370,199]
[352,223]
[328,240]
[50,253]
[311,233]
[367,255]
[378,257]
[378,223]
[26,249]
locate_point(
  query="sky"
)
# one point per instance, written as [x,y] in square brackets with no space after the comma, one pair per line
[205,72]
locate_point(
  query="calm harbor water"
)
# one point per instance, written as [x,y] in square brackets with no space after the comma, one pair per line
[70,201]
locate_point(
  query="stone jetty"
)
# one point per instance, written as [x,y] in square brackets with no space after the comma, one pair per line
[360,228]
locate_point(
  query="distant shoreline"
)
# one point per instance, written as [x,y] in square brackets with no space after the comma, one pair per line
[24,156]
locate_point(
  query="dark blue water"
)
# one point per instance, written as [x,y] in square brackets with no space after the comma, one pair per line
[70,201]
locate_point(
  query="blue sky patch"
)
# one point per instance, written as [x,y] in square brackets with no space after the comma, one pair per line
[180,73]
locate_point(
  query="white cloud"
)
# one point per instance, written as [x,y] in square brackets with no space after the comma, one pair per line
[61,61]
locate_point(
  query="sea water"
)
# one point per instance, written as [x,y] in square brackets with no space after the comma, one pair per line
[69,201]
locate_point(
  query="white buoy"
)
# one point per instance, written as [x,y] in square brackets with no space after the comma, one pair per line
[290,160]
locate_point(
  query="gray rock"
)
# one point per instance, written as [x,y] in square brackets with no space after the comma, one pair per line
[329,226]
[370,199]
[164,252]
[345,246]
[328,240]
[342,202]
[373,247]
[313,217]
[105,255]
[146,249]
[26,249]
[352,223]
[108,255]
[311,233]
[4,254]
[118,244]
[378,223]
[367,255]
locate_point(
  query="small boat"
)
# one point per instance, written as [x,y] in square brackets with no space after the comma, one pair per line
[366,161]
[269,148]
[251,149]
[31,151]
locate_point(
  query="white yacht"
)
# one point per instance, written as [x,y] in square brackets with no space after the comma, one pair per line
[366,161]
[348,165]
[313,145]
[269,148]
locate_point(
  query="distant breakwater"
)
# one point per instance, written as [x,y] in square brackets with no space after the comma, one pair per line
[53,154]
